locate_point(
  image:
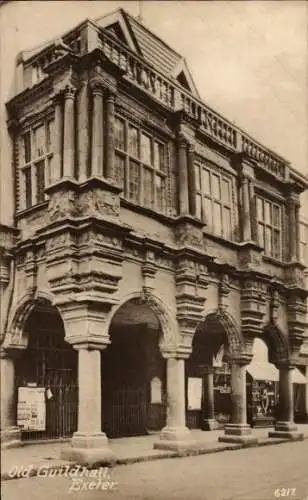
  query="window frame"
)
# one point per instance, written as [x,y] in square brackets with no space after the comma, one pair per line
[209,198]
[38,180]
[145,168]
[269,227]
[303,243]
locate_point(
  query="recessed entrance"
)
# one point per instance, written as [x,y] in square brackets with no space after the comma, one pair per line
[49,363]
[133,373]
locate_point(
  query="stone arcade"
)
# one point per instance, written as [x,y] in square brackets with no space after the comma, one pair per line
[149,232]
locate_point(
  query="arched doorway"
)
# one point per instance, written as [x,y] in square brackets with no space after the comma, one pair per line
[48,363]
[133,373]
[208,370]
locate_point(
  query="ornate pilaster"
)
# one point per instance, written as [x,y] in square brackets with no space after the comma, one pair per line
[191,280]
[253,306]
[191,179]
[97,129]
[83,132]
[69,133]
[293,222]
[10,433]
[183,175]
[57,163]
[110,100]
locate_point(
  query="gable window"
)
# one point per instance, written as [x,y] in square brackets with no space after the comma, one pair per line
[213,200]
[269,227]
[35,157]
[303,237]
[140,165]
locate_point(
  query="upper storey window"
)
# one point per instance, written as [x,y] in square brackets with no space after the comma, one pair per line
[35,156]
[303,243]
[214,200]
[269,227]
[140,165]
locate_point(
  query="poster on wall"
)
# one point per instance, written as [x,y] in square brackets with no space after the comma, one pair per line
[156,391]
[31,409]
[194,393]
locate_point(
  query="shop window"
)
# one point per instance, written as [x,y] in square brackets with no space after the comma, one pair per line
[213,201]
[269,227]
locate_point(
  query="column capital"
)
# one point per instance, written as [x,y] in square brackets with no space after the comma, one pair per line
[69,92]
[293,199]
[182,141]
[241,360]
[97,88]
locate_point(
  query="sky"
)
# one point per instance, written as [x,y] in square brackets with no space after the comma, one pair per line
[247,58]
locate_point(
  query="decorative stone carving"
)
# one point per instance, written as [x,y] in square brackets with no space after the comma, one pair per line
[253,302]
[98,202]
[188,235]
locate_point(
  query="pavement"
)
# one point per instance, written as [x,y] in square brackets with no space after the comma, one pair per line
[26,461]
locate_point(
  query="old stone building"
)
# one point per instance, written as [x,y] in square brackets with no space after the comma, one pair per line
[152,242]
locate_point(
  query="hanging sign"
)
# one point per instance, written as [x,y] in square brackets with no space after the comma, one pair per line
[194,393]
[31,408]
[156,392]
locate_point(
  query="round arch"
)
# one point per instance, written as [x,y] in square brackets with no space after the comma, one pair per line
[234,336]
[276,341]
[15,335]
[163,313]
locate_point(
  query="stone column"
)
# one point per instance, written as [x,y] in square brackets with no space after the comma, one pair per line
[56,172]
[69,133]
[208,421]
[83,132]
[238,431]
[89,443]
[97,131]
[175,435]
[246,213]
[10,433]
[285,426]
[191,179]
[183,176]
[292,229]
[109,169]
[306,394]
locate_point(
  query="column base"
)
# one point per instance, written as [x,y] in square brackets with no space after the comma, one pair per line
[91,450]
[175,438]
[209,424]
[238,433]
[286,430]
[10,437]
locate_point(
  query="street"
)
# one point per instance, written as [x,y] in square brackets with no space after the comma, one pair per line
[262,473]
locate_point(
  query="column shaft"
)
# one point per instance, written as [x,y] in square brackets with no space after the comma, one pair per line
[191,180]
[208,395]
[246,215]
[292,230]
[109,170]
[69,133]
[176,393]
[286,404]
[306,394]
[89,383]
[97,132]
[183,177]
[238,394]
[8,403]
[83,132]
[56,172]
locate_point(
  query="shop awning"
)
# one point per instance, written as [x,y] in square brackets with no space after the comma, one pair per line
[268,371]
[263,371]
[298,377]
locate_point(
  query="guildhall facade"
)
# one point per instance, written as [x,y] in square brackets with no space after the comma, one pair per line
[152,241]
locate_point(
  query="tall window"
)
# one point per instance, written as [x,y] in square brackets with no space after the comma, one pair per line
[140,165]
[303,243]
[35,149]
[269,227]
[213,200]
